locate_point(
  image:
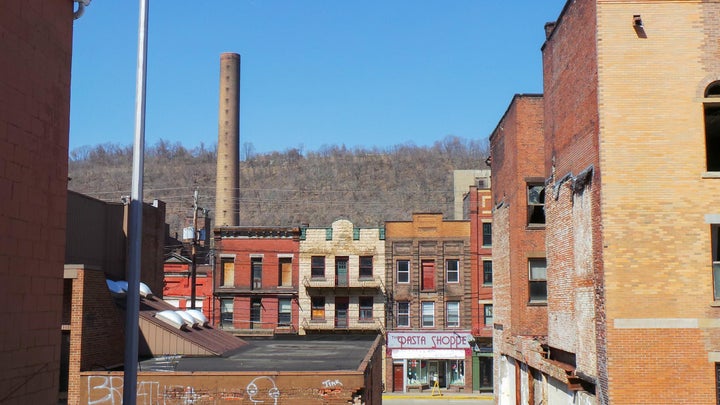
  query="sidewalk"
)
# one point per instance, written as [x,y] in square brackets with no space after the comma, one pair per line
[485,396]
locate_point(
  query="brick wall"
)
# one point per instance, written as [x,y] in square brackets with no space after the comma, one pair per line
[36,49]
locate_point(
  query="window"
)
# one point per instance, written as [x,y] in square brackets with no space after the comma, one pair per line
[256,313]
[712,127]
[403,313]
[457,372]
[538,280]
[428,275]
[284,312]
[317,267]
[228,271]
[452,268]
[366,308]
[428,314]
[341,271]
[715,239]
[286,272]
[536,204]
[403,271]
[366,266]
[453,314]
[487,272]
[318,308]
[256,266]
[488,314]
[356,233]
[487,234]
[226,312]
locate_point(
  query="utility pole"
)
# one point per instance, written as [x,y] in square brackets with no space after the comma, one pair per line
[193,268]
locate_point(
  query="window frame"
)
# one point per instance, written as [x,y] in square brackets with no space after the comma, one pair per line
[712,135]
[282,323]
[403,314]
[488,319]
[487,234]
[456,314]
[365,270]
[227,264]
[364,309]
[456,271]
[536,281]
[318,311]
[487,275]
[428,282]
[535,209]
[427,309]
[715,243]
[256,266]
[406,271]
[317,271]
[224,320]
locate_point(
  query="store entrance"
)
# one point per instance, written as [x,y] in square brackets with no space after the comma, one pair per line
[436,372]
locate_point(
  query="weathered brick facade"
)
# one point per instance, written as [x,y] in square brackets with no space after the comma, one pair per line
[629,209]
[340,248]
[418,254]
[36,49]
[264,265]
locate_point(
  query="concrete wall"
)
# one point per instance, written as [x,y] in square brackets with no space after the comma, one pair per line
[36,49]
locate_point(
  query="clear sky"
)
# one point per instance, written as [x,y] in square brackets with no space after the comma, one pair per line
[314,72]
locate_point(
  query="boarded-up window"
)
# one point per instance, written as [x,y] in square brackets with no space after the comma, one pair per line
[228,271]
[286,272]
[318,308]
[428,275]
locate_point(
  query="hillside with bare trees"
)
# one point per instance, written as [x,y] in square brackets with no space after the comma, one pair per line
[366,186]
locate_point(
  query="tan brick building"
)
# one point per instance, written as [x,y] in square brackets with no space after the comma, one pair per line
[631,97]
[342,274]
[36,49]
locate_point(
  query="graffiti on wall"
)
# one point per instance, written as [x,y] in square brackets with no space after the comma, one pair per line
[108,390]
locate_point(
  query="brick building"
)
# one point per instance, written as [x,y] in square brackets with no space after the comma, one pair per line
[477,207]
[256,283]
[342,272]
[429,304]
[36,48]
[178,290]
[630,102]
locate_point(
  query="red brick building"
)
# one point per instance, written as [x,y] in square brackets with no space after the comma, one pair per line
[36,48]
[256,287]
[478,209]
[178,279]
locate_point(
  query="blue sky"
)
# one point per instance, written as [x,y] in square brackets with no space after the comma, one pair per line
[316,72]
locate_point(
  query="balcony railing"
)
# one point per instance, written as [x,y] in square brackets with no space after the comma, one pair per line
[331,282]
[331,324]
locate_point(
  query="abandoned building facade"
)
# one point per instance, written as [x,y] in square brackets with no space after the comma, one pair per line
[622,297]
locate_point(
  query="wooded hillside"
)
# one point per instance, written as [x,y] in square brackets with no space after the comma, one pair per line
[366,186]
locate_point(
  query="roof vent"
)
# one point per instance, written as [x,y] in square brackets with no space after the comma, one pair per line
[188,319]
[115,288]
[198,315]
[145,291]
[171,318]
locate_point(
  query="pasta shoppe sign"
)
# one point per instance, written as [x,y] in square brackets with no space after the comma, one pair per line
[428,340]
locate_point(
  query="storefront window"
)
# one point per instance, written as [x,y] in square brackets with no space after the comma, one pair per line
[457,372]
[417,372]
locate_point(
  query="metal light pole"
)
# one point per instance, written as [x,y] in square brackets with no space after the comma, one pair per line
[135,226]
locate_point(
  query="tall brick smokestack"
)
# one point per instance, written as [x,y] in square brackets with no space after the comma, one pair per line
[227,190]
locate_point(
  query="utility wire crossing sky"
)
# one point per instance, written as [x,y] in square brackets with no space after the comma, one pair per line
[313,73]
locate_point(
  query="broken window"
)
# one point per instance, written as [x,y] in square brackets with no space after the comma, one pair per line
[536,204]
[712,128]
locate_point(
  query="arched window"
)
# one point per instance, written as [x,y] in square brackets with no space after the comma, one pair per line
[712,127]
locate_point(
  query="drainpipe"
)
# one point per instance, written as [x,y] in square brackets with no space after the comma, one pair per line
[81,8]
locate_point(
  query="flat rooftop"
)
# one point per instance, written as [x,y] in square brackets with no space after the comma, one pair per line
[291,353]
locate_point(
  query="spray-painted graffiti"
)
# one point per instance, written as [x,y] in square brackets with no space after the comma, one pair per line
[332,383]
[108,390]
[261,389]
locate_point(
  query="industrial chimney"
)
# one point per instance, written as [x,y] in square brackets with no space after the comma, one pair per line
[227,189]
